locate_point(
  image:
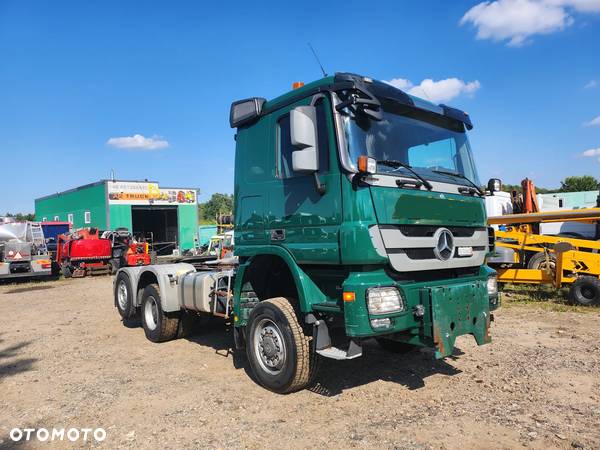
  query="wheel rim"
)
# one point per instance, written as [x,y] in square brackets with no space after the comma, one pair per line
[151,313]
[122,295]
[269,346]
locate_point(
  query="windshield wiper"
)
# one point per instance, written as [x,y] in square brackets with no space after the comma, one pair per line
[461,176]
[397,164]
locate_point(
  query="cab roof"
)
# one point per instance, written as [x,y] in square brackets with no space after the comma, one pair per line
[343,80]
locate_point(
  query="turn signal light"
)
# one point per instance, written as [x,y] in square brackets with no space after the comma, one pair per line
[297,84]
[349,296]
[366,164]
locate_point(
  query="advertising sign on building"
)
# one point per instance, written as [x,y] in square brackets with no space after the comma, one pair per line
[143,193]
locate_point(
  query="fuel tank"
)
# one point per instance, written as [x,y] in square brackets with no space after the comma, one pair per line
[200,291]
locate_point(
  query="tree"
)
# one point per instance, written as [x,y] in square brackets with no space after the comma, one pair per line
[20,217]
[579,184]
[518,188]
[218,204]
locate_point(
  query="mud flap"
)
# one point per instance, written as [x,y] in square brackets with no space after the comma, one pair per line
[457,310]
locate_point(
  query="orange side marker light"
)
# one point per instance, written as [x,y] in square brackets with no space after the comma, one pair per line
[349,296]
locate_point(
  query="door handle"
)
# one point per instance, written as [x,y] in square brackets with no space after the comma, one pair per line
[277,235]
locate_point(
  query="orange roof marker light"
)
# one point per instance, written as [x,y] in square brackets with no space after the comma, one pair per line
[297,84]
[349,296]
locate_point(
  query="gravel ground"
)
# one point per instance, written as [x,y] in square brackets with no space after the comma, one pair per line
[66,360]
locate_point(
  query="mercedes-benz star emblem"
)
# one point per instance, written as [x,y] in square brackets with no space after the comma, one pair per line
[444,248]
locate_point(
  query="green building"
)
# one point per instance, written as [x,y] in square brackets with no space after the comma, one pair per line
[166,217]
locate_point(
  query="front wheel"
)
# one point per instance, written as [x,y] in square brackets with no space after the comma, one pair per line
[280,354]
[158,326]
[585,291]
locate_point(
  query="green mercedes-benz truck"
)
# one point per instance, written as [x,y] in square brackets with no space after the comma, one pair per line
[358,215]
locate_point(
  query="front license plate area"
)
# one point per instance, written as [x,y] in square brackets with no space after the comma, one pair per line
[457,310]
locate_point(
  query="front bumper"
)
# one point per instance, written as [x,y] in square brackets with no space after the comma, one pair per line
[435,313]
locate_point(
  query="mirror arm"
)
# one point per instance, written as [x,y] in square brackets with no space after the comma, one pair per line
[320,186]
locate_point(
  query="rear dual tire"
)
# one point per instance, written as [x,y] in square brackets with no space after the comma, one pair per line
[158,325]
[124,297]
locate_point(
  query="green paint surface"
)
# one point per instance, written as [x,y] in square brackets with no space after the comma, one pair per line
[407,206]
[120,217]
[188,226]
[90,198]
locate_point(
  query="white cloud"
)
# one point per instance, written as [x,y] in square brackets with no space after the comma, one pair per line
[584,6]
[595,122]
[437,91]
[590,84]
[138,142]
[400,83]
[515,21]
[592,153]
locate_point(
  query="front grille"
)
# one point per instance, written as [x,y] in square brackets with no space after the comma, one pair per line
[429,230]
[432,275]
[420,253]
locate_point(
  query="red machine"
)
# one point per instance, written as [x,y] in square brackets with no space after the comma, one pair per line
[83,252]
[87,252]
[126,251]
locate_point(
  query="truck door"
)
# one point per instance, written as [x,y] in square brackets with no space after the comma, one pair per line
[300,218]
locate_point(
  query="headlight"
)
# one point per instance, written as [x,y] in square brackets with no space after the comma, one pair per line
[384,300]
[492,286]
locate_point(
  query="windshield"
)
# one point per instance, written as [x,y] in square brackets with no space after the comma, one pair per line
[426,141]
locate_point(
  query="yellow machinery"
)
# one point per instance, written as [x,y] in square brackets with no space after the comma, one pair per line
[557,260]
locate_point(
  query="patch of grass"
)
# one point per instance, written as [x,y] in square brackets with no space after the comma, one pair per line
[541,296]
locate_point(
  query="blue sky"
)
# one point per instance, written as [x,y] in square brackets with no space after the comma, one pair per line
[73,75]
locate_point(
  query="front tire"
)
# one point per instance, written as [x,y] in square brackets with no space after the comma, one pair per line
[158,326]
[280,354]
[585,291]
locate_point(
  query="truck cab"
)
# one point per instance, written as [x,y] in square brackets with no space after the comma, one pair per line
[361,205]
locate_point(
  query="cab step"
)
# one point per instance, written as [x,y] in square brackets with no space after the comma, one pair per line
[354,351]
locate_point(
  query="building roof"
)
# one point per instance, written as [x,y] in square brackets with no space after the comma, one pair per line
[104,181]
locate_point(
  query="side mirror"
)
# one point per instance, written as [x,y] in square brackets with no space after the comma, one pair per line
[494,185]
[303,133]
